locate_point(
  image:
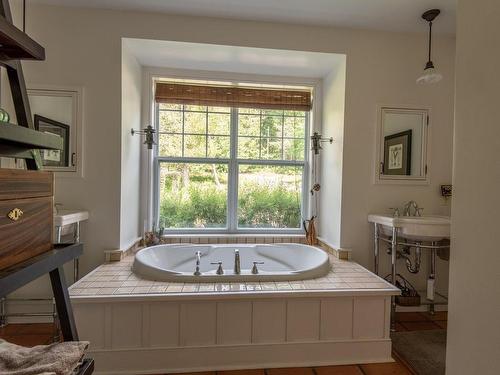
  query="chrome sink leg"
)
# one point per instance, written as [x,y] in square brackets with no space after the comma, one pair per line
[375,248]
[394,251]
[432,275]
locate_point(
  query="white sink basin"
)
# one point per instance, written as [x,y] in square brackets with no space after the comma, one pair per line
[417,228]
[67,217]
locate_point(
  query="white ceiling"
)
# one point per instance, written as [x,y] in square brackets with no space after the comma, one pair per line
[391,15]
[219,58]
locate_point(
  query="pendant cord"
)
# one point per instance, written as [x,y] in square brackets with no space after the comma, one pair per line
[430,39]
[24,16]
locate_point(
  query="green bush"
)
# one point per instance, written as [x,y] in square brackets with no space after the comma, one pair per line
[205,206]
[265,206]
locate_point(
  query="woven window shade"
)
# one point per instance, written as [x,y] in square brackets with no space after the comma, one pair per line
[232,97]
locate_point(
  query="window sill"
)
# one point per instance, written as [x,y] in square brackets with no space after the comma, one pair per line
[233,235]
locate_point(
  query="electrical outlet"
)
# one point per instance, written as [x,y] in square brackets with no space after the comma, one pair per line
[446,190]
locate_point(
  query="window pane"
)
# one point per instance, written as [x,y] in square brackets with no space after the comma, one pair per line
[218,147]
[220,109]
[295,113]
[176,107]
[170,145]
[195,146]
[248,148]
[193,195]
[295,127]
[271,126]
[293,149]
[270,148]
[195,108]
[170,121]
[195,123]
[269,196]
[219,124]
[272,112]
[249,125]
[252,111]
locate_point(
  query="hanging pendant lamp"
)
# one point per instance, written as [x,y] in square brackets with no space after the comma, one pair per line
[430,75]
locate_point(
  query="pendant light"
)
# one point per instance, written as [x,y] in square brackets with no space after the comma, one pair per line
[430,75]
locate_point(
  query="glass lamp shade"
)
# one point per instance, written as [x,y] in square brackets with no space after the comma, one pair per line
[430,75]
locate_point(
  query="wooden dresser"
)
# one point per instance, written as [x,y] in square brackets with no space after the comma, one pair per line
[26,214]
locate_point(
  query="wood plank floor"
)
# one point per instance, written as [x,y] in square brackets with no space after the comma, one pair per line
[38,334]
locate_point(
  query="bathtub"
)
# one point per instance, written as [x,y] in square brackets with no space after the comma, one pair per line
[274,262]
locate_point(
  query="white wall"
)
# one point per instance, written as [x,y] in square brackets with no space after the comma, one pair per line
[84,48]
[330,158]
[473,325]
[130,149]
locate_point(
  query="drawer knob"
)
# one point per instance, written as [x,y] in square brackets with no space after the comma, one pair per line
[15,214]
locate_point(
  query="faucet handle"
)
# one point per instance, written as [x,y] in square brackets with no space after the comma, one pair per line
[419,211]
[395,211]
[255,270]
[220,270]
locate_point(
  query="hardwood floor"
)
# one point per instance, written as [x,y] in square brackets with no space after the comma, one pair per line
[38,334]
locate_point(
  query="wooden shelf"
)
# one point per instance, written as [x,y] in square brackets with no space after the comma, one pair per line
[18,140]
[17,45]
[20,274]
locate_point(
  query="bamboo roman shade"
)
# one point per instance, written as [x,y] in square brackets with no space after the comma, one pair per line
[218,96]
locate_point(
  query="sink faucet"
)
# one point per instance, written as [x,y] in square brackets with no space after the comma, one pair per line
[408,206]
[237,264]
[198,259]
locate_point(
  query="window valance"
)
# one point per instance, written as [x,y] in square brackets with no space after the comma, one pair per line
[219,96]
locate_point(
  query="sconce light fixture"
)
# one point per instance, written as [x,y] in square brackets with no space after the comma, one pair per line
[430,75]
[149,133]
[317,140]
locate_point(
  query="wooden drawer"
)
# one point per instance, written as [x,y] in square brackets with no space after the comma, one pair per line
[19,184]
[26,215]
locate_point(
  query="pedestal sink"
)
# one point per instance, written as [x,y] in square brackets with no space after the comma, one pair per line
[429,228]
[419,232]
[63,218]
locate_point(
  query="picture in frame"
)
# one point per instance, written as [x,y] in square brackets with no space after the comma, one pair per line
[397,154]
[54,158]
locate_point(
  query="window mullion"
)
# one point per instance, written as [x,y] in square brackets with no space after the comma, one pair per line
[156,170]
[232,206]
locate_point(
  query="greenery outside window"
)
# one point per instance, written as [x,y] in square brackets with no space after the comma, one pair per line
[230,169]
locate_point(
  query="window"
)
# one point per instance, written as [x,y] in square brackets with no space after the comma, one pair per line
[230,169]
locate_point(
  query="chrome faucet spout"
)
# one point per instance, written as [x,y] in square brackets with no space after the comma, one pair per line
[237,262]
[198,260]
[408,209]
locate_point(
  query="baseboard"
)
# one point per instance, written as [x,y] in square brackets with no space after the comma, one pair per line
[26,306]
[194,359]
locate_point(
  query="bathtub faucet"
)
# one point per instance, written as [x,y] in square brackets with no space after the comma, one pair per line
[237,264]
[198,259]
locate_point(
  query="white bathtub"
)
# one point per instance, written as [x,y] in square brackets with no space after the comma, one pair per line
[281,262]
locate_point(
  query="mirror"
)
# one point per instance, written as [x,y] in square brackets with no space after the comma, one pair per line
[57,111]
[402,149]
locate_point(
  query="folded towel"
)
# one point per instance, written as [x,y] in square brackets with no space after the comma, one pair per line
[54,359]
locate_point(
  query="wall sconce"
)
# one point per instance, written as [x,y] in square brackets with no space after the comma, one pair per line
[317,140]
[149,132]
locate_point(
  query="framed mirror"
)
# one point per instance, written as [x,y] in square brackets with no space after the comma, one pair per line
[58,111]
[402,152]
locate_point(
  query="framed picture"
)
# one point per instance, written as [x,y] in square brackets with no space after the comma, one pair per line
[397,154]
[54,158]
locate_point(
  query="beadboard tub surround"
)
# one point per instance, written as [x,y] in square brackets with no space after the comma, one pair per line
[138,326]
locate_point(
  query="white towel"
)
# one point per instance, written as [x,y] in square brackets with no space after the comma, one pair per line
[54,359]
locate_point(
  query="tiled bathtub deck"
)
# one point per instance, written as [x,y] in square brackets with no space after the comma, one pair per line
[117,279]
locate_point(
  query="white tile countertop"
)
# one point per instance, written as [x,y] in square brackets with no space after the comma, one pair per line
[116,279]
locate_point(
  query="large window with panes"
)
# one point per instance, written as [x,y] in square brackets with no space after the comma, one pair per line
[230,169]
